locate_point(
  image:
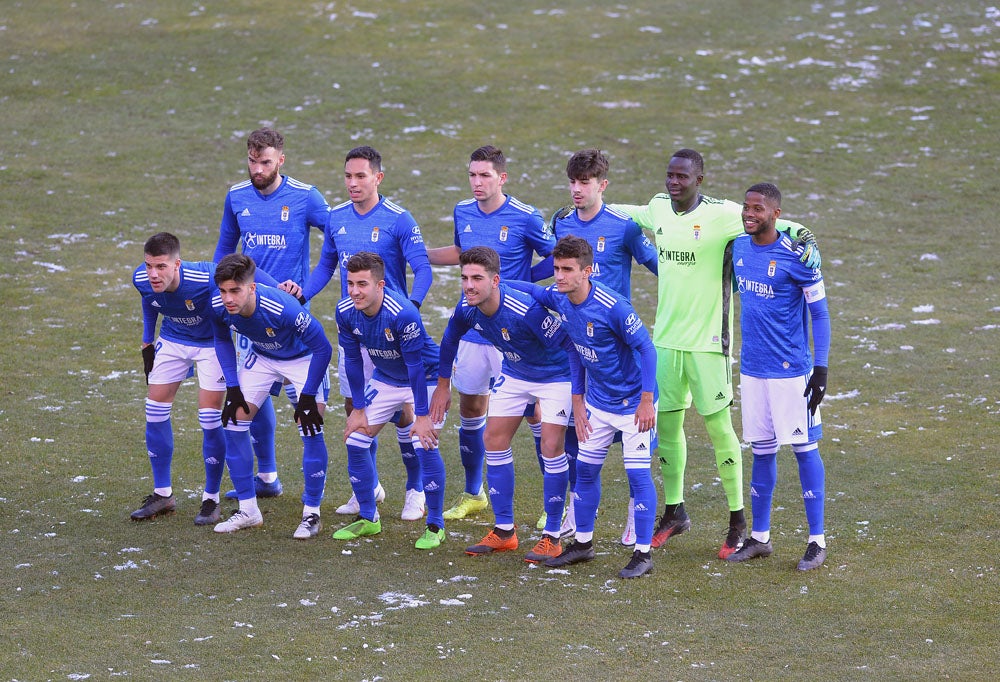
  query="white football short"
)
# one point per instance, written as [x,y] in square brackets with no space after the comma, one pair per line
[173,362]
[776,409]
[475,368]
[383,400]
[510,396]
[637,446]
[258,373]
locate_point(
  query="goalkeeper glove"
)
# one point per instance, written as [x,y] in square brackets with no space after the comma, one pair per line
[810,254]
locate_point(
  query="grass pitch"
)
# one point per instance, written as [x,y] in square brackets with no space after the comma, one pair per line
[875,120]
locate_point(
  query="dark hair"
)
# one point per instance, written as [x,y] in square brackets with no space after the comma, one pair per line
[369,154]
[769,190]
[492,154]
[237,267]
[481,255]
[163,244]
[576,248]
[263,138]
[587,164]
[366,260]
[696,161]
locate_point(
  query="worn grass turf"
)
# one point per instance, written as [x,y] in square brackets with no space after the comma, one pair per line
[128,118]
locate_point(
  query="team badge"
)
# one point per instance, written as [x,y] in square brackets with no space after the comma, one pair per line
[503,233]
[189,304]
[771,268]
[284,214]
[697,232]
[504,334]
[600,244]
[590,329]
[269,332]
[388,335]
[375,234]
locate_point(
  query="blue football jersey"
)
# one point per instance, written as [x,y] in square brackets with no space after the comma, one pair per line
[775,291]
[616,240]
[388,230]
[272,229]
[610,338]
[530,339]
[187,311]
[394,334]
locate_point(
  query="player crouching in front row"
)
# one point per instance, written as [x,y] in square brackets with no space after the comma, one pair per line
[286,343]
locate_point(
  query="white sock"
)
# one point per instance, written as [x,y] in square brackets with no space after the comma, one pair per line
[269,477]
[818,539]
[307,510]
[584,537]
[249,506]
[164,492]
[761,535]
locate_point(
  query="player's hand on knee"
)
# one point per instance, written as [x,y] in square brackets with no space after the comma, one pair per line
[308,416]
[234,402]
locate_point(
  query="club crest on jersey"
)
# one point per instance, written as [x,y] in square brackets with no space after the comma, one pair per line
[284,214]
[388,335]
[189,304]
[697,232]
[600,244]
[503,233]
[505,334]
[269,331]
[375,234]
[590,329]
[770,268]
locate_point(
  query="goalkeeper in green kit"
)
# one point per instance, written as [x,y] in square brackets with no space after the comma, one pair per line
[692,333]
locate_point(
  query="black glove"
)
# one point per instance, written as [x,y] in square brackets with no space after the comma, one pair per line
[416,303]
[307,415]
[816,388]
[148,353]
[234,401]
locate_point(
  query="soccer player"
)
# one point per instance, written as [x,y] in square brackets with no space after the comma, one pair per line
[620,362]
[370,222]
[781,384]
[269,215]
[514,230]
[692,334]
[181,291]
[286,344]
[616,241]
[384,324]
[536,368]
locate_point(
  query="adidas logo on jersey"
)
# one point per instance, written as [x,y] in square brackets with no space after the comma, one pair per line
[739,263]
[156,303]
[561,413]
[477,327]
[246,212]
[342,230]
[468,228]
[356,332]
[659,230]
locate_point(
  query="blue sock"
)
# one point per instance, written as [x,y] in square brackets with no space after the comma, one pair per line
[812,475]
[314,462]
[763,478]
[414,475]
[554,481]
[361,473]
[470,443]
[536,434]
[213,448]
[159,441]
[588,491]
[500,464]
[239,459]
[432,466]
[262,433]
[643,491]
[572,448]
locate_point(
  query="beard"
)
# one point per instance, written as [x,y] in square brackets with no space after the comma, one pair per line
[262,182]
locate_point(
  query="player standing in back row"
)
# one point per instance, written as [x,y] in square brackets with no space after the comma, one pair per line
[514,230]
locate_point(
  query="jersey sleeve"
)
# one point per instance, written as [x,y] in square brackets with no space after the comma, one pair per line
[631,329]
[639,246]
[411,333]
[310,330]
[329,258]
[411,243]
[352,360]
[229,232]
[640,214]
[319,209]
[225,351]
[149,315]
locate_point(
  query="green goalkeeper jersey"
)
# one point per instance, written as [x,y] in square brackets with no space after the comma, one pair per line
[694,309]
